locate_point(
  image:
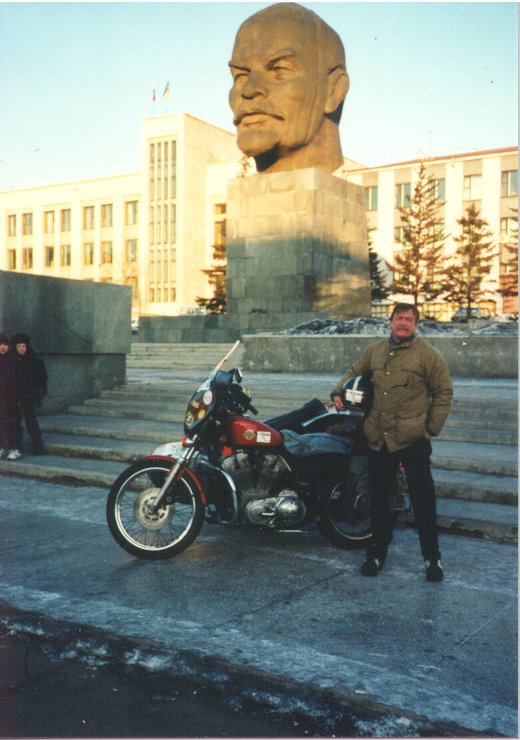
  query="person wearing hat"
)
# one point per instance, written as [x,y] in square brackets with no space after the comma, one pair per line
[8,410]
[31,389]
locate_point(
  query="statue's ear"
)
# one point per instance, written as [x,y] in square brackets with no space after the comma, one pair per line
[337,89]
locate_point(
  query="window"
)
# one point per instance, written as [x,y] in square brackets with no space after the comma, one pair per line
[49,256]
[403,193]
[11,225]
[27,224]
[509,183]
[473,187]
[106,253]
[48,222]
[88,218]
[27,258]
[439,187]
[371,198]
[508,229]
[398,234]
[106,215]
[131,213]
[11,259]
[131,250]
[220,234]
[65,255]
[173,159]
[173,223]
[165,224]
[152,225]
[65,219]
[88,253]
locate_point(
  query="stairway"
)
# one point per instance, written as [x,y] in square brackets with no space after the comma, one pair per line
[474,460]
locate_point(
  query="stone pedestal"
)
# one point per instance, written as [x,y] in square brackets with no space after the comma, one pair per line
[297,249]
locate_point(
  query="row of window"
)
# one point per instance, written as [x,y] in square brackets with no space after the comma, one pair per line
[163,224]
[63,217]
[163,170]
[65,254]
[508,231]
[472,190]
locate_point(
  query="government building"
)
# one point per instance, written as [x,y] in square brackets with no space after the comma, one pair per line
[156,229]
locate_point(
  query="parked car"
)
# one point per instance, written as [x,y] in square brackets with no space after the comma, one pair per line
[461,316]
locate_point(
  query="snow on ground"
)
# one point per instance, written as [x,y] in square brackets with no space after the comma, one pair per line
[379,327]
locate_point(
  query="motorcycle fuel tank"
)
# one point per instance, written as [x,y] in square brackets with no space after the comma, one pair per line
[246,432]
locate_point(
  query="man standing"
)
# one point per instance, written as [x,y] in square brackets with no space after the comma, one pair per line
[31,388]
[412,399]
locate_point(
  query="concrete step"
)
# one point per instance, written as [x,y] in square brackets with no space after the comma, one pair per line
[491,459]
[461,470]
[468,518]
[449,484]
[176,355]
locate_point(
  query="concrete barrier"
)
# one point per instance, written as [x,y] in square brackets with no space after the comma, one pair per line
[485,356]
[80,329]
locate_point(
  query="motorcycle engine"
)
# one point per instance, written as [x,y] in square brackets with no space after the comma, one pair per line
[260,479]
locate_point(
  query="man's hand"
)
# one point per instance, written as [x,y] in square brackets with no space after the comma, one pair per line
[427,435]
[338,403]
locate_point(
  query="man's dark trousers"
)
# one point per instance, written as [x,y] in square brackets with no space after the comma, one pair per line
[382,474]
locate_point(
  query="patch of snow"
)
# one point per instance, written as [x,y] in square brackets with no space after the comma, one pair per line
[379,327]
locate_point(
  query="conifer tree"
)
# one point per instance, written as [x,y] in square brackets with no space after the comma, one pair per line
[417,266]
[216,275]
[510,286]
[379,289]
[472,260]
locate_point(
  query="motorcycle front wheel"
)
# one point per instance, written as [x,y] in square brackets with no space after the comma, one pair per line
[345,515]
[143,532]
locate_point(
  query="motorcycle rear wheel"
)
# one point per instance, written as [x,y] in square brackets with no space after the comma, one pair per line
[345,516]
[141,531]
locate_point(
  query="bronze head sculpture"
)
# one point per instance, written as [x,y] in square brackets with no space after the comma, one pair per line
[289,84]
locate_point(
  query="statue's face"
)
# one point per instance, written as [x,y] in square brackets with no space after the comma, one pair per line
[279,92]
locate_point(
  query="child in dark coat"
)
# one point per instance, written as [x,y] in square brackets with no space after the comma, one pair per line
[31,388]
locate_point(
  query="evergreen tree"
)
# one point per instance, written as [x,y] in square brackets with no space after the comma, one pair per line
[417,266]
[471,261]
[510,285]
[379,289]
[216,275]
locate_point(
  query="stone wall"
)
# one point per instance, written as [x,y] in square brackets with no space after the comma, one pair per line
[485,356]
[80,329]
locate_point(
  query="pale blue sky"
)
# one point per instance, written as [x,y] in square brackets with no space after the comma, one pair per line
[76,79]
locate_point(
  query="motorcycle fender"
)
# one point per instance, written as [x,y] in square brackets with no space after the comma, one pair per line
[188,471]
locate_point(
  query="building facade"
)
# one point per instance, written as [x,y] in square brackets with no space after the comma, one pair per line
[488,179]
[156,229]
[152,230]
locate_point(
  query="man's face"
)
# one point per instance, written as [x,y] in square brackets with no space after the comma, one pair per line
[21,348]
[279,93]
[4,348]
[403,324]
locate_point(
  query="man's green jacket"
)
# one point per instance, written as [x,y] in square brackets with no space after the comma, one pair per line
[412,392]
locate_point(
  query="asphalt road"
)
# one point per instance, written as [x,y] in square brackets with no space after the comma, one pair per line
[281,624]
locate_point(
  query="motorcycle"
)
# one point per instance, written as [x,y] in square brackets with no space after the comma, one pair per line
[306,466]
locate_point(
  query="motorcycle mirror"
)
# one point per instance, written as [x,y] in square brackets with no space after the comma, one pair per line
[238,375]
